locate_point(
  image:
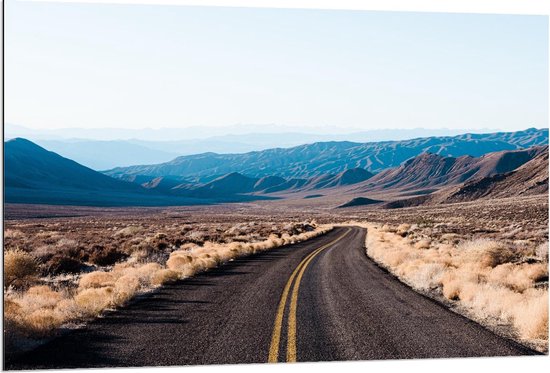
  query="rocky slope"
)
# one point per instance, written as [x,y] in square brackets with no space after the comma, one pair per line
[311,160]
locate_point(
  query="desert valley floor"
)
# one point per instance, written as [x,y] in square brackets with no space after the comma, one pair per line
[60,235]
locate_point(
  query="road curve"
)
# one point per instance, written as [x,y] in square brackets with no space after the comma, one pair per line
[320,300]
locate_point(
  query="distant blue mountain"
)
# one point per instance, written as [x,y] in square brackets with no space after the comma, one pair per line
[102,149]
[306,161]
[36,175]
[101,155]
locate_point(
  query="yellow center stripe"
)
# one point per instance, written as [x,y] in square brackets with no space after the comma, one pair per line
[276,336]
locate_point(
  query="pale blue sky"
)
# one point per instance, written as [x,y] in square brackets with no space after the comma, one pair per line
[132,66]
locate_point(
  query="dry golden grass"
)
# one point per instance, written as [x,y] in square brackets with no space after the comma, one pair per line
[38,311]
[97,279]
[90,302]
[495,281]
[12,233]
[20,268]
[129,231]
[33,313]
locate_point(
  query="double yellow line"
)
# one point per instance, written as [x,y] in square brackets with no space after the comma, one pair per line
[291,330]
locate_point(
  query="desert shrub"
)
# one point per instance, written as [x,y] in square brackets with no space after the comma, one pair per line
[297,228]
[93,301]
[42,321]
[44,252]
[131,230]
[49,237]
[387,228]
[531,316]
[67,246]
[38,297]
[125,288]
[180,262]
[68,310]
[403,229]
[487,253]
[20,268]
[542,252]
[423,244]
[164,276]
[66,243]
[37,310]
[518,277]
[146,250]
[13,233]
[196,237]
[13,318]
[60,263]
[11,309]
[129,247]
[427,276]
[104,256]
[96,279]
[450,238]
[14,329]
[146,272]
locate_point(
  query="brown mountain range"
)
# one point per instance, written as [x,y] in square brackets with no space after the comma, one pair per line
[530,178]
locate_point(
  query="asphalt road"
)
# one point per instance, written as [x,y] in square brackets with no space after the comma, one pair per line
[319,300]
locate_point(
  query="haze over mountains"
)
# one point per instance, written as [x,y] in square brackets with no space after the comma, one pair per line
[102,155]
[102,149]
[36,175]
[244,133]
[439,169]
